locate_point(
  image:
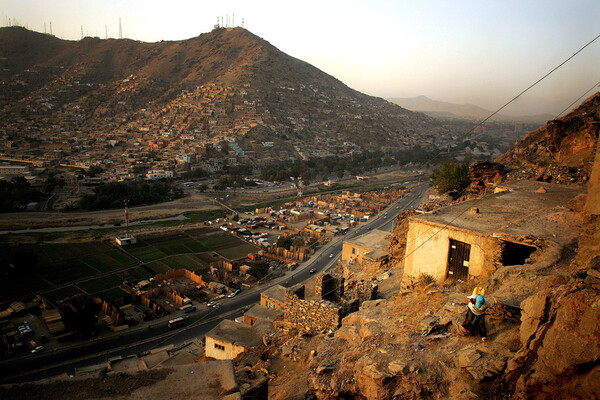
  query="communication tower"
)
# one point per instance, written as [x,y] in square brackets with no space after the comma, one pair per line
[126,219]
[127,239]
[300,187]
[120,30]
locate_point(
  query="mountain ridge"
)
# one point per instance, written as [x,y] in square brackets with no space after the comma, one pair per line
[250,85]
[443,109]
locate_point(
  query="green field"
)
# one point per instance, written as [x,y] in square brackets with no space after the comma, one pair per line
[59,294]
[237,252]
[93,286]
[42,267]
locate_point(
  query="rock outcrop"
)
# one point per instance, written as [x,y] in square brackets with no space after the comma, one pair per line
[483,174]
[562,150]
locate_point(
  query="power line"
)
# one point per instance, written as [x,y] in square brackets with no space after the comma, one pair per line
[491,115]
[576,101]
[486,119]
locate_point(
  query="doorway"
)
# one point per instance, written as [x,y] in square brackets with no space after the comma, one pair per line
[459,255]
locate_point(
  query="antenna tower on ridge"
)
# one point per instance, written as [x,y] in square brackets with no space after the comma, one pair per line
[82,31]
[50,28]
[105,32]
[120,30]
[44,27]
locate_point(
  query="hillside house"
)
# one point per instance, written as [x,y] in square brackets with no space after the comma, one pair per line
[262,313]
[273,297]
[476,237]
[372,245]
[229,339]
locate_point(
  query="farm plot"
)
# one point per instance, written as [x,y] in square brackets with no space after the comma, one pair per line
[94,286]
[66,271]
[237,252]
[187,261]
[62,293]
[135,274]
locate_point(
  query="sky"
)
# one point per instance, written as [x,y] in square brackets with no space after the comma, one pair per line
[482,52]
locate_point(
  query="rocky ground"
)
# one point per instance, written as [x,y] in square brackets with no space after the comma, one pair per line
[407,344]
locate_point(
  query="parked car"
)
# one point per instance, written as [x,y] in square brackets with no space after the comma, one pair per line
[230,295]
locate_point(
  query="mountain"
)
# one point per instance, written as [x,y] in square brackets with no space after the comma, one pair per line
[445,110]
[566,142]
[226,86]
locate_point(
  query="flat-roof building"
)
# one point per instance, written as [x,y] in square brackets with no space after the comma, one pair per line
[476,237]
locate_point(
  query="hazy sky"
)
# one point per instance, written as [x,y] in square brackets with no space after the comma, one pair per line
[482,52]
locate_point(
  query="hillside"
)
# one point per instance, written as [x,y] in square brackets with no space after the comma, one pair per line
[446,110]
[224,86]
[564,145]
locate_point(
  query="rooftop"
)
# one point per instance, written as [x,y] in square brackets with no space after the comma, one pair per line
[263,312]
[523,209]
[374,240]
[244,335]
[276,292]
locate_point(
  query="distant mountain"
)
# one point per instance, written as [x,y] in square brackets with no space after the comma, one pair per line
[445,110]
[224,86]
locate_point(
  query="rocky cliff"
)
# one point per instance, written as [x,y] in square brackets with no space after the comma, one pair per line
[565,146]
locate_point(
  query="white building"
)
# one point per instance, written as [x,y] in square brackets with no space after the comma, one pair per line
[158,174]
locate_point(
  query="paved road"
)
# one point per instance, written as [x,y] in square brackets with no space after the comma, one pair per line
[151,335]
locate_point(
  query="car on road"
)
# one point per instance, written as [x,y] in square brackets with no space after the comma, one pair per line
[38,349]
[230,295]
[211,303]
[313,270]
[331,255]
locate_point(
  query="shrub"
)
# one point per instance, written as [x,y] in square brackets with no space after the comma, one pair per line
[426,279]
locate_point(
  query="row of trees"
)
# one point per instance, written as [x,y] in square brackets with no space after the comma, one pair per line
[113,195]
[336,166]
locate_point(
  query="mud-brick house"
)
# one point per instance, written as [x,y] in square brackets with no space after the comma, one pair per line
[229,339]
[273,297]
[476,237]
[372,246]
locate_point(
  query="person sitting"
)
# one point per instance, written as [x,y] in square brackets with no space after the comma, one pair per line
[475,317]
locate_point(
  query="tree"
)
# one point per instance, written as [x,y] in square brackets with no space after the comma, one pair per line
[284,241]
[451,176]
[94,170]
[259,269]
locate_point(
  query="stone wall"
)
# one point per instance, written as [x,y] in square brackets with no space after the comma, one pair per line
[313,316]
[330,287]
[366,290]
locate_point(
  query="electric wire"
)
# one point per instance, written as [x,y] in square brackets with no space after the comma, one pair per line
[446,225]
